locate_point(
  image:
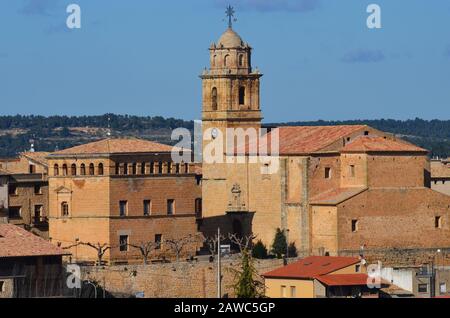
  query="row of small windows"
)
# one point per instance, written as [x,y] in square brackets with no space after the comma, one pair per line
[226,60]
[147,208]
[122,169]
[73,169]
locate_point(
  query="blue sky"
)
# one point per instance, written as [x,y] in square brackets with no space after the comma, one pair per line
[143,57]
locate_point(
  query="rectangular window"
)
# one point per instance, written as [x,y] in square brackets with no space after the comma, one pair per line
[37,189]
[438,222]
[443,288]
[327,173]
[38,213]
[352,171]
[423,288]
[283,291]
[158,241]
[123,208]
[293,292]
[2,286]
[354,226]
[32,169]
[147,207]
[357,268]
[15,212]
[123,243]
[170,207]
[12,190]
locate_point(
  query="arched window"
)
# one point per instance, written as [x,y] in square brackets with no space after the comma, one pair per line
[142,167]
[125,168]
[83,169]
[56,170]
[100,169]
[65,170]
[64,209]
[177,168]
[91,169]
[241,60]
[73,170]
[242,95]
[214,98]
[152,168]
[160,167]
[214,60]
[169,167]
[134,168]
[226,61]
[198,208]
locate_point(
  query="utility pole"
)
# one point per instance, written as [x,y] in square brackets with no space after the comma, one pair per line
[219,269]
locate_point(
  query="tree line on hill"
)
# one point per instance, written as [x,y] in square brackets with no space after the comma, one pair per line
[54,132]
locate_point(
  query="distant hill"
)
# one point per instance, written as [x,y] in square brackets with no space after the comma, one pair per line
[59,132]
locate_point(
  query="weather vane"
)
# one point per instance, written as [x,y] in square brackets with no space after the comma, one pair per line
[230,14]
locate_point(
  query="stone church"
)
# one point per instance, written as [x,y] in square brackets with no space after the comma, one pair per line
[336,188]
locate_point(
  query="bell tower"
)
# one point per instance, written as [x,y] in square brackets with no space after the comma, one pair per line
[231,88]
[231,99]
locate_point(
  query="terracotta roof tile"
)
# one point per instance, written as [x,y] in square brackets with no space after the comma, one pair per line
[115,146]
[302,139]
[16,242]
[312,267]
[336,196]
[344,279]
[39,157]
[380,144]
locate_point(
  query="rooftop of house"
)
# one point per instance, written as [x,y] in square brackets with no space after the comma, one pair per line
[115,146]
[344,279]
[312,267]
[440,169]
[39,157]
[16,242]
[380,144]
[295,140]
[336,196]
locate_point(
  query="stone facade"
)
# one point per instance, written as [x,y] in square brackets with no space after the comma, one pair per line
[103,198]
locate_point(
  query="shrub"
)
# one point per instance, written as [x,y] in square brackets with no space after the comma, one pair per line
[259,251]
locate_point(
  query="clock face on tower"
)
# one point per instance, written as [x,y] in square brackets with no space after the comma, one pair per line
[214,133]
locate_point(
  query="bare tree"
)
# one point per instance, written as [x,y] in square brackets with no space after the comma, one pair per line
[146,248]
[100,248]
[211,242]
[178,245]
[244,243]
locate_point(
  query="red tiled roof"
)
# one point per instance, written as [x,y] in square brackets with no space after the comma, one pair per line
[301,139]
[38,157]
[116,146]
[312,267]
[16,242]
[344,279]
[380,144]
[336,196]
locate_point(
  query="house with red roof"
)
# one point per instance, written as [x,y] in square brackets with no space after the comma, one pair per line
[322,276]
[29,265]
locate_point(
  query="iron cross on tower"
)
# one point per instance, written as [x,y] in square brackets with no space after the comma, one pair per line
[230,14]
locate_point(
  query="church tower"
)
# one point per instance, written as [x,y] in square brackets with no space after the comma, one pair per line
[231,88]
[231,99]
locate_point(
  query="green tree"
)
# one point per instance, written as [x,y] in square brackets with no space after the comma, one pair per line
[246,286]
[279,245]
[259,251]
[292,250]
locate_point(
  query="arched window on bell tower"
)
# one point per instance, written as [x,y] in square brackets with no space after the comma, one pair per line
[242,95]
[226,61]
[241,60]
[214,98]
